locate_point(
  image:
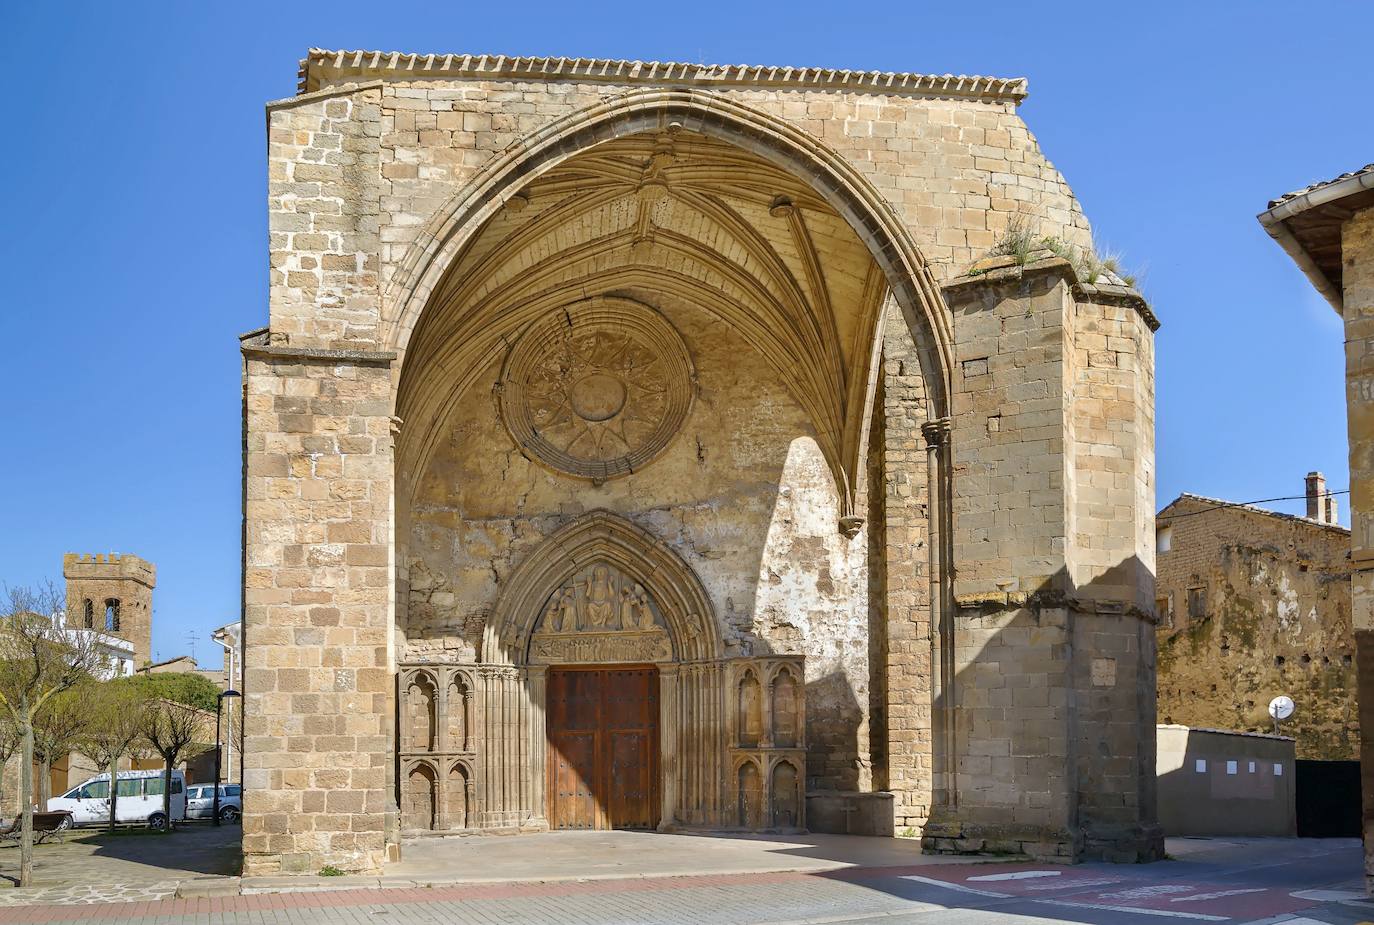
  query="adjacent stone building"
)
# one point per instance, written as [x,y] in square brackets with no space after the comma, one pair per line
[1328,230]
[650,445]
[1254,604]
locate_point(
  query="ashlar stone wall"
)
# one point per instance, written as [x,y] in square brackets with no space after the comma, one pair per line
[1050,707]
[977,647]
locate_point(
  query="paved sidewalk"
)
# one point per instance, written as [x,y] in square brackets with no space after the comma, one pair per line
[1240,881]
[92,866]
[555,856]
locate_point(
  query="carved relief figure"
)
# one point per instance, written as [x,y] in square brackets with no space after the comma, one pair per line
[609,616]
[600,600]
[562,615]
[635,612]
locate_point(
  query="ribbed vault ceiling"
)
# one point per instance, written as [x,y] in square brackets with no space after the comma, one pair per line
[679,214]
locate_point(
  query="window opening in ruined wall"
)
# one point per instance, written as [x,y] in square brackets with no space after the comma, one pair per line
[88,614]
[112,616]
[1197,603]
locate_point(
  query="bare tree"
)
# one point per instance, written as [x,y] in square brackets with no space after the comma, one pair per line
[9,744]
[173,730]
[114,732]
[39,659]
[57,727]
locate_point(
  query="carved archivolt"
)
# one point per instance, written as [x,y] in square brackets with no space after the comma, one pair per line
[572,598]
[597,389]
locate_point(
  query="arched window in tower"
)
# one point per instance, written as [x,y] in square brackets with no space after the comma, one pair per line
[88,614]
[112,615]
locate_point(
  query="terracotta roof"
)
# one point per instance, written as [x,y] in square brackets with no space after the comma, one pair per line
[1367,168]
[321,66]
[1235,505]
[1307,224]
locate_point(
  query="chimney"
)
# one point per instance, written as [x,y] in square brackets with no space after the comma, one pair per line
[1321,504]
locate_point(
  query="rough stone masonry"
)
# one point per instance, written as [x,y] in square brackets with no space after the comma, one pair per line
[651,445]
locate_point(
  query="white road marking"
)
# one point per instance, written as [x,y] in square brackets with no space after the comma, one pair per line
[1072,884]
[1218,894]
[1149,892]
[1107,907]
[957,887]
[1017,875]
[1328,896]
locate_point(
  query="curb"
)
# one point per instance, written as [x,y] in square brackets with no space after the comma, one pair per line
[248,886]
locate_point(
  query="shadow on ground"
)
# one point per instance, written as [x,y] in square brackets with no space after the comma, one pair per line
[130,855]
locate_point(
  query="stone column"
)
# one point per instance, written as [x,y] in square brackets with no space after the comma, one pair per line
[536,687]
[668,750]
[902,667]
[318,687]
[942,751]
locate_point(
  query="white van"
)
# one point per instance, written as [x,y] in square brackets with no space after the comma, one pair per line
[139,799]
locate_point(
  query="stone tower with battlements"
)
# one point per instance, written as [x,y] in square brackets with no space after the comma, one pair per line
[112,593]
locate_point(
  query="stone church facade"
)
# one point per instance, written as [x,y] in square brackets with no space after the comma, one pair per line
[654,446]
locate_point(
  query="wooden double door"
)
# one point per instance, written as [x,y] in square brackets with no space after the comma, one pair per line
[603,748]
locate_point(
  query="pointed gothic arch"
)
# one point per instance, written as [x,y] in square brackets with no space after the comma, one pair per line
[829,177]
[648,110]
[603,537]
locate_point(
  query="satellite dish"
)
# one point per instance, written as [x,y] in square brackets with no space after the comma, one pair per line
[1281,707]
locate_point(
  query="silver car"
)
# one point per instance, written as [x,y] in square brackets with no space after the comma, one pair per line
[200,802]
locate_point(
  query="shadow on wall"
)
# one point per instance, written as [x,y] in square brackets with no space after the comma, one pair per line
[1214,782]
[1044,742]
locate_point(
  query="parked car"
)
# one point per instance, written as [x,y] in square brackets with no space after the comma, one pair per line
[200,802]
[139,799]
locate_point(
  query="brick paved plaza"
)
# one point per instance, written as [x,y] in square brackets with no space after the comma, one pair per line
[1209,880]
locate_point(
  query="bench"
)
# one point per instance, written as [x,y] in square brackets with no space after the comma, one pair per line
[45,825]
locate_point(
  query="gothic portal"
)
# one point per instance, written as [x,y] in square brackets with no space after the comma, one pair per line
[658,446]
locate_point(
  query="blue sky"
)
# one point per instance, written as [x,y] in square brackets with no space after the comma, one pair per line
[135,242]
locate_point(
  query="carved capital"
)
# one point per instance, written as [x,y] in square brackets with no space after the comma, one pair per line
[936,432]
[850,525]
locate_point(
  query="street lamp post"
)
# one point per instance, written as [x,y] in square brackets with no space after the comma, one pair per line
[219,749]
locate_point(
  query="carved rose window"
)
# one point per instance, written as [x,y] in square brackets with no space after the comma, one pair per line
[597,390]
